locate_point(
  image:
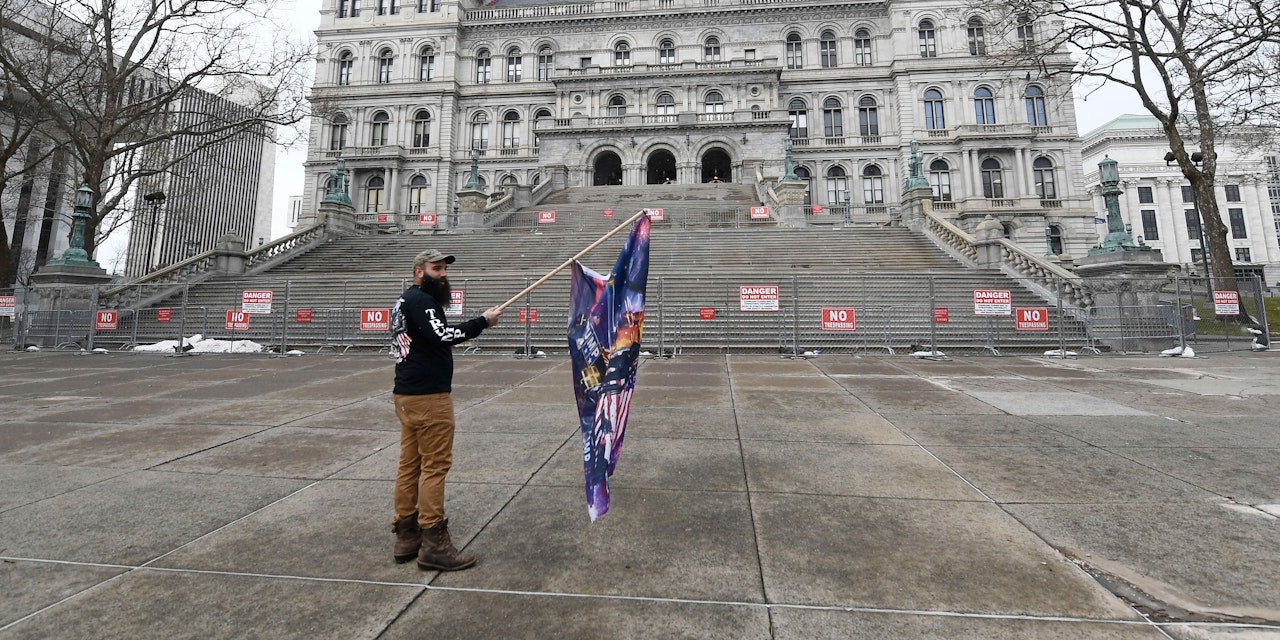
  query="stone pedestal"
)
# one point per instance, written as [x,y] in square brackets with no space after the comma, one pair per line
[1126,287]
[471,203]
[986,239]
[791,202]
[914,202]
[229,257]
[64,298]
[337,217]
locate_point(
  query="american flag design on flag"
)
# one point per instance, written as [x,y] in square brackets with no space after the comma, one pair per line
[400,338]
[606,320]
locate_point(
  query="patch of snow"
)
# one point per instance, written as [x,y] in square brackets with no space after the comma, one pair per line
[1058,353]
[33,348]
[198,344]
[1181,352]
[927,354]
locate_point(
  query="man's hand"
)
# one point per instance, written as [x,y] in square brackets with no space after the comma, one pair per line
[491,316]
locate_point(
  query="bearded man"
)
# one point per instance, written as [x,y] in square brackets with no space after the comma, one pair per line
[422,346]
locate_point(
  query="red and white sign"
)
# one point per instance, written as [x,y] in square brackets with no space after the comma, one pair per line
[941,315]
[758,297]
[817,209]
[529,316]
[992,302]
[256,301]
[427,219]
[1031,319]
[107,320]
[302,316]
[164,315]
[382,217]
[237,320]
[456,298]
[546,217]
[8,306]
[608,213]
[759,213]
[839,319]
[375,320]
[707,313]
[1226,303]
[655,214]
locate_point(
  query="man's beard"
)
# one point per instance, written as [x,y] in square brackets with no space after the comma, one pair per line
[438,289]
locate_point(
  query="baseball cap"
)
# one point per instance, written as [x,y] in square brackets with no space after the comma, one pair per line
[431,255]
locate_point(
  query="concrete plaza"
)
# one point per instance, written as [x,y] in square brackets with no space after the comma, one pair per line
[222,496]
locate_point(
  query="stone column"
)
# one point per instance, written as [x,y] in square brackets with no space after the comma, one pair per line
[471,204]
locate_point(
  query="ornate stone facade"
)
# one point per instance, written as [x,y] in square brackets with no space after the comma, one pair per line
[689,91]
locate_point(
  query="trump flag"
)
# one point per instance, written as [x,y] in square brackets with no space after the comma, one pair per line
[606,319]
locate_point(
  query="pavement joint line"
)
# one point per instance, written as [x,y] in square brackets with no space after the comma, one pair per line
[746,483]
[618,597]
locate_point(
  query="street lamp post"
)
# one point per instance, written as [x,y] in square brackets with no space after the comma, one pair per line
[154,199]
[1197,158]
[1118,239]
[75,255]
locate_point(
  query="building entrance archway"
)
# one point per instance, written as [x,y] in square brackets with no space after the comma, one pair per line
[717,166]
[661,167]
[608,169]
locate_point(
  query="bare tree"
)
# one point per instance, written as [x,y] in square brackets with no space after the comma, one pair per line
[131,77]
[1201,67]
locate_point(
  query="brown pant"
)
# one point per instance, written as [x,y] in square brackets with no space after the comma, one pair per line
[426,453]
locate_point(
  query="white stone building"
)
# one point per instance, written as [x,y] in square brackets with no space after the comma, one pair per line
[1159,205]
[644,91]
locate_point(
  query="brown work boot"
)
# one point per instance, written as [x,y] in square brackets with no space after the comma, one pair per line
[408,538]
[438,551]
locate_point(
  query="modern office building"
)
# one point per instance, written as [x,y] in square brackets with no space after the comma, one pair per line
[210,191]
[1161,208]
[692,91]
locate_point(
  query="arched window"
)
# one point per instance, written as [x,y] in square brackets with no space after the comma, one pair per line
[378,129]
[426,64]
[832,118]
[480,131]
[935,115]
[338,133]
[714,102]
[992,179]
[418,204]
[665,104]
[872,185]
[1054,234]
[862,48]
[511,130]
[515,64]
[386,60]
[422,129]
[1042,169]
[617,106]
[837,187]
[940,180]
[507,184]
[1026,32]
[666,51]
[798,111]
[868,117]
[345,63]
[622,55]
[977,37]
[483,66]
[802,173]
[374,191]
[827,55]
[795,51]
[1036,114]
[711,49]
[928,39]
[541,115]
[984,106]
[546,62]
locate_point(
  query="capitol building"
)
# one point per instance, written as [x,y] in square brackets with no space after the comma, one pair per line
[637,92]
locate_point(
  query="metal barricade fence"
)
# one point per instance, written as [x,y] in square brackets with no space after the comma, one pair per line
[9,319]
[790,315]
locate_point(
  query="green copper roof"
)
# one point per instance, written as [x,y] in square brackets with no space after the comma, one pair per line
[1126,121]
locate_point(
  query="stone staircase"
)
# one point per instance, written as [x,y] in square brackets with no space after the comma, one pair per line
[884,273]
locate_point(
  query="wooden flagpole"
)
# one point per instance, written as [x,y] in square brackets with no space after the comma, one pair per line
[568,262]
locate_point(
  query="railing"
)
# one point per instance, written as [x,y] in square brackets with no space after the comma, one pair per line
[948,234]
[284,246]
[944,205]
[530,12]
[715,117]
[1000,203]
[1050,204]
[501,205]
[660,119]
